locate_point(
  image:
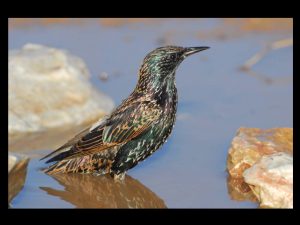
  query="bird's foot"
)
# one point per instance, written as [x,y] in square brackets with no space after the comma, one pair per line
[119,177]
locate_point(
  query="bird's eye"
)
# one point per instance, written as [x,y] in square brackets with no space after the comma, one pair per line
[173,57]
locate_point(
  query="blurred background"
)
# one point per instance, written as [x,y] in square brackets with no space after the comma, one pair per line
[244,80]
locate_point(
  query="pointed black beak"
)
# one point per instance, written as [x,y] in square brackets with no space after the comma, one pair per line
[192,50]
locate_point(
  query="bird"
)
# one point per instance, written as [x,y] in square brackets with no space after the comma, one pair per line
[135,129]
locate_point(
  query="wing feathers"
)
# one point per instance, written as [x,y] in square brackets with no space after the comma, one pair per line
[122,126]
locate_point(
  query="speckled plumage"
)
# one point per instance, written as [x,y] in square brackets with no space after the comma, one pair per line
[135,129]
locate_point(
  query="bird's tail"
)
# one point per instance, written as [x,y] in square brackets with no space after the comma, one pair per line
[59,167]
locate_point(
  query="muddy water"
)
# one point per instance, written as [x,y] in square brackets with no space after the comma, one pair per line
[215,99]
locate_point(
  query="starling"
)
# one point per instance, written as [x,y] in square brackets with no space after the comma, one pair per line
[135,129]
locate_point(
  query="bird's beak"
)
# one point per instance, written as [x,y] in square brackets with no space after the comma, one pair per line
[192,50]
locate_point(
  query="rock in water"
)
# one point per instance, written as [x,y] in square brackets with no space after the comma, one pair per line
[17,169]
[50,88]
[250,144]
[271,180]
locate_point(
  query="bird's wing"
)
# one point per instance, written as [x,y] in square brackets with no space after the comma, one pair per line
[79,139]
[132,122]
[122,126]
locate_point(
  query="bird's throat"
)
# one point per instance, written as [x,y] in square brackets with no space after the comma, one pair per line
[156,83]
[166,93]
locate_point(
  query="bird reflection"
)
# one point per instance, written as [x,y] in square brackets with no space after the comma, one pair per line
[89,191]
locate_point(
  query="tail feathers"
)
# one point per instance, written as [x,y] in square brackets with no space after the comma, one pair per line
[86,164]
[58,152]
[68,145]
[58,157]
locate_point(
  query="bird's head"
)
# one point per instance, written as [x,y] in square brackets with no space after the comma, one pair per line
[161,63]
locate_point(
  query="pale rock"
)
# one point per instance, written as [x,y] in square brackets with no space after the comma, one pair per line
[271,180]
[50,88]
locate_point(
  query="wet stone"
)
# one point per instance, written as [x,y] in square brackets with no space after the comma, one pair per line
[271,180]
[260,167]
[250,144]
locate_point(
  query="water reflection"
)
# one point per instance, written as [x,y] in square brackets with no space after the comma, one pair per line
[89,191]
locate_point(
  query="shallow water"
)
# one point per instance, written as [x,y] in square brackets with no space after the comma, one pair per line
[215,99]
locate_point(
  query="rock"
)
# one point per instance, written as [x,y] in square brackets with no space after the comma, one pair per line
[250,144]
[271,180]
[17,169]
[260,164]
[50,88]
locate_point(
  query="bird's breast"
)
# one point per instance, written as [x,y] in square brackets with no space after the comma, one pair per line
[168,103]
[166,95]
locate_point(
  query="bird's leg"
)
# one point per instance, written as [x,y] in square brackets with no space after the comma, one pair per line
[119,177]
[97,174]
